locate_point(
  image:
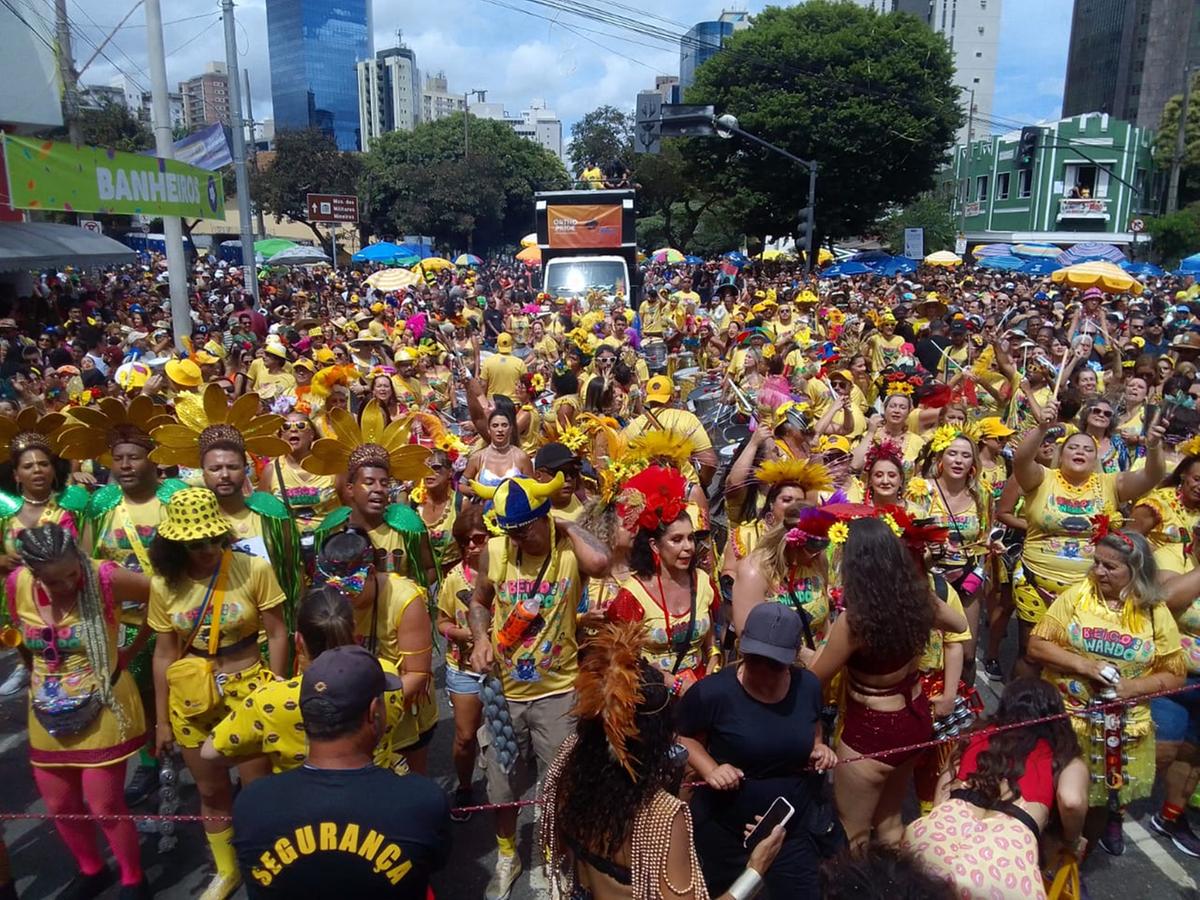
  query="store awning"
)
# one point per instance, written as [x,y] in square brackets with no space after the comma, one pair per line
[41,245]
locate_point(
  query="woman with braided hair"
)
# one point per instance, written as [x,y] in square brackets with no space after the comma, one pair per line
[85,717]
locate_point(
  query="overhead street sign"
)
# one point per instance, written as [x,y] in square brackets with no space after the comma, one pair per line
[341,208]
[688,120]
[647,131]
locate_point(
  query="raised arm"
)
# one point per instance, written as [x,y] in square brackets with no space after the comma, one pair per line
[1026,469]
[1138,482]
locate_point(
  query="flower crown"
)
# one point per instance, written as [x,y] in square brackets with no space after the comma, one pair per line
[654,497]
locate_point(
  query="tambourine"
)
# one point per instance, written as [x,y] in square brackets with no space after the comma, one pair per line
[10,637]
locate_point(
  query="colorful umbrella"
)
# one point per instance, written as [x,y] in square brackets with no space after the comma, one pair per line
[1098,273]
[1091,250]
[1190,264]
[1036,250]
[392,279]
[468,259]
[530,240]
[1039,267]
[943,258]
[268,247]
[1002,263]
[387,253]
[531,256]
[769,255]
[891,266]
[299,256]
[668,255]
[979,251]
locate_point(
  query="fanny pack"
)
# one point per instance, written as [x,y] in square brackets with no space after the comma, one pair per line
[66,716]
[191,680]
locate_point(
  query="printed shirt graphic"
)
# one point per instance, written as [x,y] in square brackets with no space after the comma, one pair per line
[250,588]
[543,662]
[1058,544]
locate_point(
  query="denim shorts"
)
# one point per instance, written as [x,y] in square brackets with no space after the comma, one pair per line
[1177,718]
[461,683]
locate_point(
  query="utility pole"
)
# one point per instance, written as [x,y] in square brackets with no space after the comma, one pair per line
[1180,143]
[66,71]
[480,96]
[259,227]
[181,310]
[237,126]
[966,170]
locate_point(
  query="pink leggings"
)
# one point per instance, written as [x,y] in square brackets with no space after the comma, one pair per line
[65,789]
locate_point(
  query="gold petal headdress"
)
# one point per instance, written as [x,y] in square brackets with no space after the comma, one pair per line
[203,419]
[92,431]
[805,474]
[353,444]
[27,430]
[670,445]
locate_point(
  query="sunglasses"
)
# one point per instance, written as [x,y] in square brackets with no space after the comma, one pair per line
[294,426]
[204,543]
[50,651]
[477,538]
[1103,413]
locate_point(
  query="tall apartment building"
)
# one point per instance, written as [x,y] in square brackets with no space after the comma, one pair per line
[313,46]
[389,93]
[436,100]
[1127,57]
[972,29]
[537,123]
[206,97]
[121,90]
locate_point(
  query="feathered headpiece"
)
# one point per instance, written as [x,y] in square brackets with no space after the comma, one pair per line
[29,430]
[655,496]
[885,449]
[1190,447]
[805,474]
[917,534]
[373,442]
[664,445]
[210,419]
[93,431]
[609,686]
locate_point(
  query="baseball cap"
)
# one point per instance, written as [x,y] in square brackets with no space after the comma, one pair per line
[771,630]
[993,427]
[504,342]
[340,684]
[554,456]
[659,389]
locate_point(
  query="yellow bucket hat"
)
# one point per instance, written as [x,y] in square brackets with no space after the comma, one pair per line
[192,514]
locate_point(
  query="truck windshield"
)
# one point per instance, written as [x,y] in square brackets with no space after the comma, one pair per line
[575,277]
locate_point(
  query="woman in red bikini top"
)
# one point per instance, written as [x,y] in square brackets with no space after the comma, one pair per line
[997,795]
[890,609]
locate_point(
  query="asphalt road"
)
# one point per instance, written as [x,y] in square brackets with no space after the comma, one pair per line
[1150,867]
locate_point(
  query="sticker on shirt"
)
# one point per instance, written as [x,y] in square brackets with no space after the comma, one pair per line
[253,546]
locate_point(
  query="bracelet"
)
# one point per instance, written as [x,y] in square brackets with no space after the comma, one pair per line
[677,686]
[747,885]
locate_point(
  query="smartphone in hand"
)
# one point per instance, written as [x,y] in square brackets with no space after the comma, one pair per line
[780,813]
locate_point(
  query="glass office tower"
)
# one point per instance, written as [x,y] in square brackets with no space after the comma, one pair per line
[314,45]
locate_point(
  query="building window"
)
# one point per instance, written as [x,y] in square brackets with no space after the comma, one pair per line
[981,188]
[1079,180]
[975,81]
[1002,186]
[979,54]
[1024,183]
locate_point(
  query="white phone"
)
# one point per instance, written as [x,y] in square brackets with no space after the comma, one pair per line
[780,813]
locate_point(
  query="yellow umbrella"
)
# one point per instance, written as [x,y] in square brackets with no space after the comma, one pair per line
[768,255]
[530,255]
[943,258]
[433,264]
[530,240]
[392,279]
[1104,275]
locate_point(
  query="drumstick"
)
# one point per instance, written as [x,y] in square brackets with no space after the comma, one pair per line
[1061,368]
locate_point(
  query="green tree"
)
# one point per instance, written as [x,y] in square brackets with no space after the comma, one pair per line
[111,125]
[1175,236]
[1165,137]
[604,134]
[419,182]
[929,212]
[869,96]
[305,162]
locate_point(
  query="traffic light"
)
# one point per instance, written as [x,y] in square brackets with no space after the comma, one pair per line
[804,228]
[1028,146]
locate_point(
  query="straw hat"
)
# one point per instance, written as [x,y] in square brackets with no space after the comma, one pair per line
[192,514]
[366,337]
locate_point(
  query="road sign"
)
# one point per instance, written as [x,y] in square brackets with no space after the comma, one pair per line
[333,208]
[92,225]
[1137,226]
[914,243]
[688,120]
[960,244]
[647,132]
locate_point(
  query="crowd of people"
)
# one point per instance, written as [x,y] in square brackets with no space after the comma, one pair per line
[725,551]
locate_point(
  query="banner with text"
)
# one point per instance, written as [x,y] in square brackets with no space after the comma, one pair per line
[52,175]
[584,225]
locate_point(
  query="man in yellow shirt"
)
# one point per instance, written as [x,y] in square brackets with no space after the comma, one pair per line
[653,314]
[685,294]
[501,371]
[660,391]
[885,344]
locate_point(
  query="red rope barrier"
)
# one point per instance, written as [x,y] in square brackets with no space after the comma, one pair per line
[519,804]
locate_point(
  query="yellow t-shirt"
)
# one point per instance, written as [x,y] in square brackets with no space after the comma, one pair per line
[933,659]
[385,537]
[543,662]
[1058,544]
[884,351]
[250,588]
[680,421]
[500,373]
[269,723]
[454,599]
[396,593]
[570,513]
[129,522]
[653,317]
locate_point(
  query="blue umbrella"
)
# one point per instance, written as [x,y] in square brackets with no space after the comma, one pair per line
[1087,251]
[694,260]
[738,258]
[1036,250]
[1190,264]
[842,270]
[868,256]
[383,252]
[1143,269]
[893,266]
[1003,263]
[979,251]
[1039,267]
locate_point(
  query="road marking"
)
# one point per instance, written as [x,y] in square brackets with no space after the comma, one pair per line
[1156,850]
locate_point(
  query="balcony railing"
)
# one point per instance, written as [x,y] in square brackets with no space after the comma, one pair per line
[1083,208]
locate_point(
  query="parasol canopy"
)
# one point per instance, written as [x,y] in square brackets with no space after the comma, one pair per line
[1103,275]
[943,258]
[392,279]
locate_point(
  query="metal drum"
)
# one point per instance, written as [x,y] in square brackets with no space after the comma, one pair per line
[705,402]
[655,352]
[685,380]
[680,362]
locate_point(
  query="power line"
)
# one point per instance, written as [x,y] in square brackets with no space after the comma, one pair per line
[20,18]
[195,37]
[107,28]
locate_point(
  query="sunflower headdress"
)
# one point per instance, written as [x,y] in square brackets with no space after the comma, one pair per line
[670,446]
[209,419]
[28,430]
[93,431]
[807,475]
[945,435]
[374,442]
[1190,447]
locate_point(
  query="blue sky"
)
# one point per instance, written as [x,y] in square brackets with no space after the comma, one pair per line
[517,57]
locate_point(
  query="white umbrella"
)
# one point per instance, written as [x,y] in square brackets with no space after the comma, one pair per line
[298,256]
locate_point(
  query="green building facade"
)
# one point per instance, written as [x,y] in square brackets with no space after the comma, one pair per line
[1091,177]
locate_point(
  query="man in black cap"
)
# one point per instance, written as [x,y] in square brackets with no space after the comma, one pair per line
[551,459]
[339,825]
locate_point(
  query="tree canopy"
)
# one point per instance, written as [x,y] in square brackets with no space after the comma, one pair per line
[419,182]
[1165,137]
[869,96]
[604,134]
[930,212]
[306,161]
